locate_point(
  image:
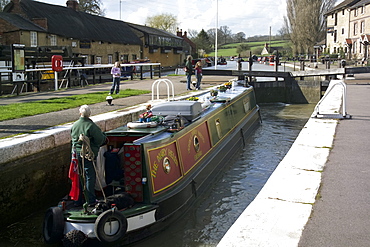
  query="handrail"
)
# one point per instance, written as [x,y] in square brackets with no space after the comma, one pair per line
[344,114]
[158,82]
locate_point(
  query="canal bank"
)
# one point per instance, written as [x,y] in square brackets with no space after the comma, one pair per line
[23,180]
[318,194]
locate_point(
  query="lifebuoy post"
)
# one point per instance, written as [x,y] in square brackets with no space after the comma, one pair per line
[57,66]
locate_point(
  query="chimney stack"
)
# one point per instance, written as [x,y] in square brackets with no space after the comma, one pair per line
[72,4]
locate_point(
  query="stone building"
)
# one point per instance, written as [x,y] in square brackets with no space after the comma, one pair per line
[98,39]
[348,29]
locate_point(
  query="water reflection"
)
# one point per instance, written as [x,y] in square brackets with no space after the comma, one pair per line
[213,214]
[207,222]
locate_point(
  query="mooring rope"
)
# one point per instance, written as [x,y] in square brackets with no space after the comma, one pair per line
[87,153]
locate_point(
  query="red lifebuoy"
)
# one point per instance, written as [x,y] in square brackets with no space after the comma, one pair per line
[53,226]
[110,226]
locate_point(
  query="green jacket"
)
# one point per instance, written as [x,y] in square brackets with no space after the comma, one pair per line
[87,127]
[189,66]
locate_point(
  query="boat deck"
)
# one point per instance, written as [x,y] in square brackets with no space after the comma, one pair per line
[160,132]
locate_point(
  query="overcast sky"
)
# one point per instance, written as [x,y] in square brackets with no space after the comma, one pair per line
[253,17]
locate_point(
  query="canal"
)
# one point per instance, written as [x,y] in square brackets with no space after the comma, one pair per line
[213,214]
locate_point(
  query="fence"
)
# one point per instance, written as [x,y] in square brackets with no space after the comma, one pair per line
[44,79]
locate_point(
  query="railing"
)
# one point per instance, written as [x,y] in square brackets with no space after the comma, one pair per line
[93,73]
[168,83]
[343,114]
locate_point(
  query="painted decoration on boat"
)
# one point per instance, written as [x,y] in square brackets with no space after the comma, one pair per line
[164,166]
[193,146]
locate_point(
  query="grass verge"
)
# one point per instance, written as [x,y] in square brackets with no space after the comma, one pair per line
[18,110]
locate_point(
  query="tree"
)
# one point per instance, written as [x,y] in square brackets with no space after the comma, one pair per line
[239,37]
[166,22]
[202,41]
[224,34]
[212,36]
[242,48]
[3,3]
[305,23]
[192,33]
[91,7]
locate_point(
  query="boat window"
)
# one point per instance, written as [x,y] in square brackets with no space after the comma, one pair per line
[166,165]
[196,144]
[218,128]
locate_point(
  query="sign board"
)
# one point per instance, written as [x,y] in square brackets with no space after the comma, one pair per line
[18,62]
[57,63]
[18,76]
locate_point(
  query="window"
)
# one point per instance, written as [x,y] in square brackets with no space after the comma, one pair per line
[355,28]
[98,60]
[33,39]
[354,47]
[124,58]
[110,59]
[342,30]
[362,28]
[53,40]
[134,57]
[335,36]
[361,10]
[86,59]
[355,12]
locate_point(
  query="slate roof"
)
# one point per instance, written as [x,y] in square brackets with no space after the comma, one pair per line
[342,5]
[153,31]
[361,3]
[20,22]
[69,23]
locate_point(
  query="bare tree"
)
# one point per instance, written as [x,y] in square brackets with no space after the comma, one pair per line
[91,7]
[166,22]
[224,34]
[305,23]
[3,3]
[192,33]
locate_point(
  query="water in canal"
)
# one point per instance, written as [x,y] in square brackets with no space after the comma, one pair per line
[213,214]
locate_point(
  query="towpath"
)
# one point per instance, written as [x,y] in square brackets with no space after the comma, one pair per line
[43,121]
[326,205]
[340,214]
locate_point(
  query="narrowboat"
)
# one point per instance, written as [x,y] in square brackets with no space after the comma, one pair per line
[161,170]
[221,61]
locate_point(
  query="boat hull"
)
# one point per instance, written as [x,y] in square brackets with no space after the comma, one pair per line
[166,170]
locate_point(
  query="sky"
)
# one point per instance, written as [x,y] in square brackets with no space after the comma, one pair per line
[253,17]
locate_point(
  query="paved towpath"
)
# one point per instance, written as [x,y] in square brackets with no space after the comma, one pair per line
[43,121]
[341,214]
[317,196]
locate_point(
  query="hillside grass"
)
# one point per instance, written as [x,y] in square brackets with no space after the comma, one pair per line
[18,110]
[229,50]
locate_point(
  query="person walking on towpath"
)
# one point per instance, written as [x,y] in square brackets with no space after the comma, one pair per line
[116,72]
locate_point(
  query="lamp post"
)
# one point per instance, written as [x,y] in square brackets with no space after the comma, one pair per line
[216,34]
